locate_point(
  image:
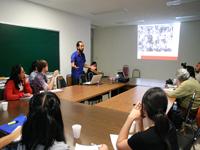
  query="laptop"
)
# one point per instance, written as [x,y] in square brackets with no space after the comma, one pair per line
[95,80]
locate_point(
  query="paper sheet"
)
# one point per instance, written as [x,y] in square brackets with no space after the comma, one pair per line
[86,147]
[113,138]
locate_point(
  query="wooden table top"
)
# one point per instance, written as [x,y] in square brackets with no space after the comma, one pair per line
[78,93]
[97,123]
[124,101]
[146,82]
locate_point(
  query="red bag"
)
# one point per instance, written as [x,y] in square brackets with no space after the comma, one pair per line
[198,117]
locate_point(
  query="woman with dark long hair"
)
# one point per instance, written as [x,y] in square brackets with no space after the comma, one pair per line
[44,128]
[17,85]
[160,136]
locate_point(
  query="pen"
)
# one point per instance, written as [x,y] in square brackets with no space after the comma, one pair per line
[12,122]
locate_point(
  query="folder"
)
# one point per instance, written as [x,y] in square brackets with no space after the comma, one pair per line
[11,126]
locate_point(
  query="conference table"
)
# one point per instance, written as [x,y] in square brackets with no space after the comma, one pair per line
[97,123]
[80,93]
[145,82]
[124,102]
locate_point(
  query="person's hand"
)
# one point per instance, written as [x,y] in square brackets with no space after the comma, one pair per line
[103,147]
[27,94]
[136,111]
[17,132]
[93,67]
[56,72]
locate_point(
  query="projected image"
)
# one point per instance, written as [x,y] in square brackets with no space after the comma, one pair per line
[158,41]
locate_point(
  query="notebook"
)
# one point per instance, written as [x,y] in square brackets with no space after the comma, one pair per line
[11,126]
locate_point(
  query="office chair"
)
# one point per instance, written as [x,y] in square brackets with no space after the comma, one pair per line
[187,141]
[69,80]
[89,76]
[60,81]
[82,79]
[190,114]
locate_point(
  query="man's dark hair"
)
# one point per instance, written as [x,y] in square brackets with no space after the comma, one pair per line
[41,64]
[78,43]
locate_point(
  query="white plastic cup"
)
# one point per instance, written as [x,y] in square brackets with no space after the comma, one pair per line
[76,130]
[4,106]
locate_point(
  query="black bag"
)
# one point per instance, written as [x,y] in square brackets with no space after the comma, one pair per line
[176,116]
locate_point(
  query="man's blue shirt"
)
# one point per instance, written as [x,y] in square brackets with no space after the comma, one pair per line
[79,60]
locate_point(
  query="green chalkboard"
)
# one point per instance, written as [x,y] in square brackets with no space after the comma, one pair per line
[23,45]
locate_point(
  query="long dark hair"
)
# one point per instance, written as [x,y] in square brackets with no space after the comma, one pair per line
[44,123]
[14,75]
[155,103]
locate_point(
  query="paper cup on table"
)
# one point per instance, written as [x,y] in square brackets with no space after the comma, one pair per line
[76,130]
[4,106]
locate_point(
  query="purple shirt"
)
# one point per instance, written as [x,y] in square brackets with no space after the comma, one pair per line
[40,83]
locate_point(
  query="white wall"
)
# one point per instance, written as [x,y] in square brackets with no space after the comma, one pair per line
[116,46]
[72,28]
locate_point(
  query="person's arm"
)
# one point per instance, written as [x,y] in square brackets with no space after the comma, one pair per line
[103,147]
[122,141]
[73,59]
[9,138]
[180,91]
[92,68]
[73,65]
[9,91]
[27,87]
[51,83]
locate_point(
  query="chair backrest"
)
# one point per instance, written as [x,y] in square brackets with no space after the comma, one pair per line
[1,94]
[69,80]
[136,73]
[189,109]
[89,76]
[126,71]
[60,82]
[82,79]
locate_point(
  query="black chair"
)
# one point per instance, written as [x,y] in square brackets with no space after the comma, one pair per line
[89,76]
[190,114]
[60,81]
[187,141]
[82,79]
[191,132]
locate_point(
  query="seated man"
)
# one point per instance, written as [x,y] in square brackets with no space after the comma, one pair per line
[186,87]
[40,82]
[91,72]
[197,69]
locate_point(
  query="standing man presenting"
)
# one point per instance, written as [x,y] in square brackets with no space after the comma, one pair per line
[78,63]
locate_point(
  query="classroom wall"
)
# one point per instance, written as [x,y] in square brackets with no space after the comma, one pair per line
[116,46]
[72,28]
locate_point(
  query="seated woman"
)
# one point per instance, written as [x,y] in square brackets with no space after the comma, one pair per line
[17,85]
[186,87]
[44,128]
[40,81]
[160,136]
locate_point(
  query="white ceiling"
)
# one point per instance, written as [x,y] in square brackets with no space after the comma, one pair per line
[126,12]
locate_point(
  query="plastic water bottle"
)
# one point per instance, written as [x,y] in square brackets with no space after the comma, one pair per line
[175,106]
